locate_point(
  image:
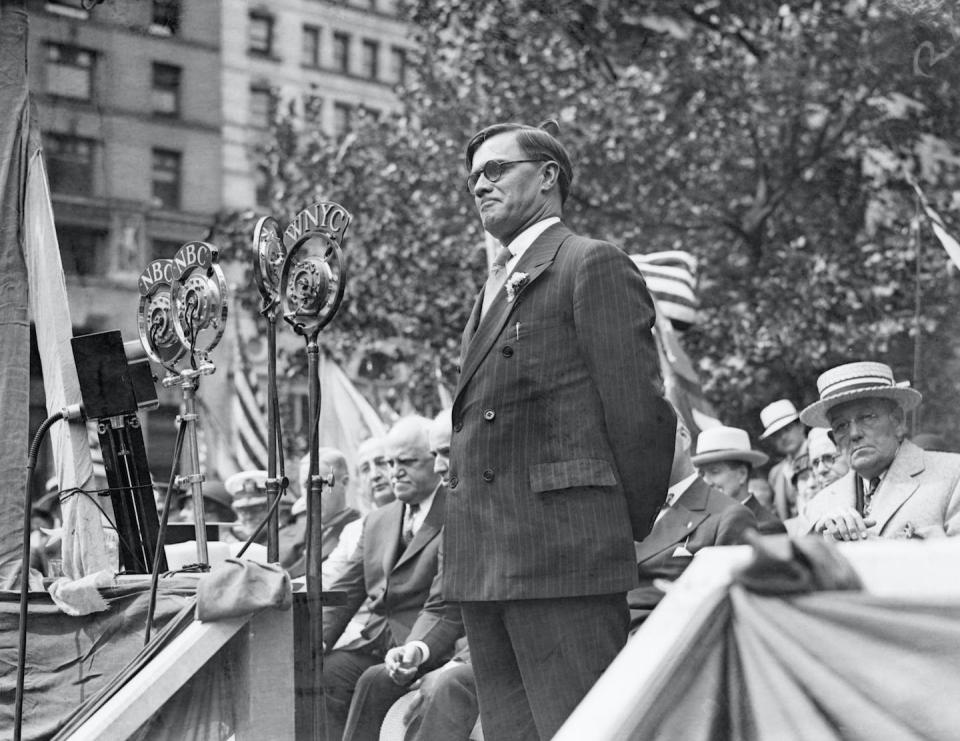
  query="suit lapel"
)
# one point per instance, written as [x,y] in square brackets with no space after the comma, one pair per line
[899,484]
[471,327]
[538,257]
[677,523]
[428,530]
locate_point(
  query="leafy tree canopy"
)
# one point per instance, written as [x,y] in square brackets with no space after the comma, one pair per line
[777,142]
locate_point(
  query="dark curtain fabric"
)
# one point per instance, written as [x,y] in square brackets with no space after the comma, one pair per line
[70,659]
[826,665]
[14,320]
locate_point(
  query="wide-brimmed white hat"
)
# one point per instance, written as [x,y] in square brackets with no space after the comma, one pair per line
[234,486]
[726,444]
[774,417]
[862,380]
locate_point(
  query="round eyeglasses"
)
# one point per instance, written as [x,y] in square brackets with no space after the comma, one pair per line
[493,170]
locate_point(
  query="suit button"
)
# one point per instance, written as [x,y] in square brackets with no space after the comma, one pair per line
[487,475]
[507,352]
[454,482]
[489,414]
[458,425]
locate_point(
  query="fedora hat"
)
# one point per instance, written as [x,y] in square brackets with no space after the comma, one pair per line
[726,444]
[861,380]
[774,417]
[234,486]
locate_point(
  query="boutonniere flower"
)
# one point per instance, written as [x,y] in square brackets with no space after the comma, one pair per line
[909,531]
[514,284]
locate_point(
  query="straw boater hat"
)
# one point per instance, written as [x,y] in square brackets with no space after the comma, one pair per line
[726,444]
[864,380]
[774,417]
[234,486]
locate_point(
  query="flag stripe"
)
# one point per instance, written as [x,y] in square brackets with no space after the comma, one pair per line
[249,415]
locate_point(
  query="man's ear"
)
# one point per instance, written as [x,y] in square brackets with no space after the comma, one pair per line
[551,176]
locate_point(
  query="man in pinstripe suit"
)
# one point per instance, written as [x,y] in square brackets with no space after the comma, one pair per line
[562,443]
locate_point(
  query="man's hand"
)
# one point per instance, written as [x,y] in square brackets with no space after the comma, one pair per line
[845,524]
[402,663]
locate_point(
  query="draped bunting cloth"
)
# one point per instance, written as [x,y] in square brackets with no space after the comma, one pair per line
[70,659]
[788,663]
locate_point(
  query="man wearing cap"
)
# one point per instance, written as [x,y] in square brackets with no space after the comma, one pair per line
[695,516]
[894,488]
[725,458]
[562,442]
[248,490]
[782,427]
[334,512]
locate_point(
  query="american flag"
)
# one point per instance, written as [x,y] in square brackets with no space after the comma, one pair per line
[671,280]
[248,413]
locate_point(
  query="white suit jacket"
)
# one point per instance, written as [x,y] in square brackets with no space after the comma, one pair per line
[920,494]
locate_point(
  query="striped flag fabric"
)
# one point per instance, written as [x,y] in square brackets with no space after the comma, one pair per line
[671,280]
[248,411]
[947,240]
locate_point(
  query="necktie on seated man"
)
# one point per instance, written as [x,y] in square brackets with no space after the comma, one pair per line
[410,512]
[496,278]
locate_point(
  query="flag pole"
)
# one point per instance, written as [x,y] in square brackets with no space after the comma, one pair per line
[917,307]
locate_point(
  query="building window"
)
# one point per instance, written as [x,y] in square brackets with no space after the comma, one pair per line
[165,17]
[81,249]
[163,249]
[166,89]
[70,71]
[371,52]
[342,113]
[69,162]
[260,39]
[262,185]
[341,52]
[165,173]
[310,56]
[261,102]
[398,65]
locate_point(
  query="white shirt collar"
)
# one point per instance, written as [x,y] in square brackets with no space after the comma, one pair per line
[417,520]
[677,490]
[527,237]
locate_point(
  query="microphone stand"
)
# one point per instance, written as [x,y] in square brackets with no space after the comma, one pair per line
[188,381]
[276,487]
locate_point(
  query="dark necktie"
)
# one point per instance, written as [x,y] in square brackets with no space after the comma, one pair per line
[868,494]
[496,278]
[408,533]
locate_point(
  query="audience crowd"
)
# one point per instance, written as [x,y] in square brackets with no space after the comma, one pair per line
[397,664]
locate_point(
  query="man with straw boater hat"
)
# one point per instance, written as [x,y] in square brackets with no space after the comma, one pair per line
[724,459]
[894,488]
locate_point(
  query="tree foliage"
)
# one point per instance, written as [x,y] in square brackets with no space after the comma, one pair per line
[777,142]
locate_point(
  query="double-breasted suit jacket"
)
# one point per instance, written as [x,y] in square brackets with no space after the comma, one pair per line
[397,581]
[562,441]
[701,517]
[919,496]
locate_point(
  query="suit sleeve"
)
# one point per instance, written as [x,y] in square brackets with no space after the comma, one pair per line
[439,623]
[614,315]
[351,581]
[734,522]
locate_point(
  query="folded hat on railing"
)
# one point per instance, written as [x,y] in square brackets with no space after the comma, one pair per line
[239,587]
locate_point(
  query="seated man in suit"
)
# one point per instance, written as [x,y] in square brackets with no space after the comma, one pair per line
[334,513]
[894,488]
[695,516]
[434,633]
[395,568]
[724,459]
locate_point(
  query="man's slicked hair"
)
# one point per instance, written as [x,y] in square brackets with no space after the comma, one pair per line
[536,142]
